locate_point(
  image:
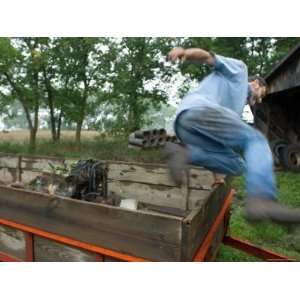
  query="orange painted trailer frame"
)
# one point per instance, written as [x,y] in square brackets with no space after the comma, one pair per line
[202,253]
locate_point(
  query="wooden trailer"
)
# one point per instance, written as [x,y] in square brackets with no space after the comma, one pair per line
[170,224]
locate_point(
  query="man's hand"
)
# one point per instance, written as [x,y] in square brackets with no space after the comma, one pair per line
[176,53]
[191,54]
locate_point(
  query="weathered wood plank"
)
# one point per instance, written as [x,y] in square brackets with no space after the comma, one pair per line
[198,197]
[8,161]
[138,173]
[157,194]
[122,171]
[147,193]
[40,164]
[288,77]
[198,223]
[27,175]
[149,235]
[199,178]
[12,242]
[8,175]
[47,250]
[125,171]
[152,194]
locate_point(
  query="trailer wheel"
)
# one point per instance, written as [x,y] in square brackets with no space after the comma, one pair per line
[277,146]
[291,157]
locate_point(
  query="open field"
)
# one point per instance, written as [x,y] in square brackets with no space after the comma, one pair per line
[281,239]
[22,135]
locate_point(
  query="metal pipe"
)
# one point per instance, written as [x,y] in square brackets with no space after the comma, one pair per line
[136,142]
[141,134]
[154,132]
[162,141]
[153,142]
[162,132]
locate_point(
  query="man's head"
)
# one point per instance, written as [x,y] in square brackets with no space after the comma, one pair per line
[258,88]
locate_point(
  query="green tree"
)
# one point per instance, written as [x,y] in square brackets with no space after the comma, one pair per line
[20,75]
[83,65]
[136,77]
[281,47]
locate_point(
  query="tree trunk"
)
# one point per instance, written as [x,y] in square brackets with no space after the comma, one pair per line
[51,106]
[134,118]
[82,114]
[32,140]
[58,132]
[33,125]
[53,126]
[34,128]
[78,131]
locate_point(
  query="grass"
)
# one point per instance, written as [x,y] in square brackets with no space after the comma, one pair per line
[93,145]
[278,238]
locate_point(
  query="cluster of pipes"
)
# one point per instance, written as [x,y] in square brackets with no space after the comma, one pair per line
[146,139]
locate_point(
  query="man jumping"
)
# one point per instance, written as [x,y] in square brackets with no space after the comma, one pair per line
[208,122]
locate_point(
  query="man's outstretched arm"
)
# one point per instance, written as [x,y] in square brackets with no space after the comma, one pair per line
[191,54]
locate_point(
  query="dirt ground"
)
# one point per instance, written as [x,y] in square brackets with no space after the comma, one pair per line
[23,135]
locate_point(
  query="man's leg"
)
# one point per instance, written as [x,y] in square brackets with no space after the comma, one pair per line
[216,158]
[212,136]
[202,150]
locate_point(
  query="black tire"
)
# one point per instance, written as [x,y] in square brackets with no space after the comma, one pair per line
[291,157]
[277,146]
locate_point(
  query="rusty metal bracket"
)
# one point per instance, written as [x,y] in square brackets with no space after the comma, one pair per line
[254,250]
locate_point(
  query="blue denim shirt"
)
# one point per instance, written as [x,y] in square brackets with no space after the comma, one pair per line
[227,85]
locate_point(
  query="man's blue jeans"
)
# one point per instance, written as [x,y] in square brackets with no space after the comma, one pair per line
[218,140]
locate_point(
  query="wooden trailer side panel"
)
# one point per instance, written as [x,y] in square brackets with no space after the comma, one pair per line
[145,183]
[42,164]
[156,175]
[8,175]
[197,224]
[150,235]
[10,161]
[158,194]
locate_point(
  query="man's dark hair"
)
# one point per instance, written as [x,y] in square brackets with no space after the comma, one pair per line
[261,80]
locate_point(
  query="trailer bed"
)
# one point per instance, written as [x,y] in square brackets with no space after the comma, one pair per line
[171,225]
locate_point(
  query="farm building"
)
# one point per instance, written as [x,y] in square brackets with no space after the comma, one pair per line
[277,117]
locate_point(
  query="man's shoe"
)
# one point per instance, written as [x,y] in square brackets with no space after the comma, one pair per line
[269,210]
[177,162]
